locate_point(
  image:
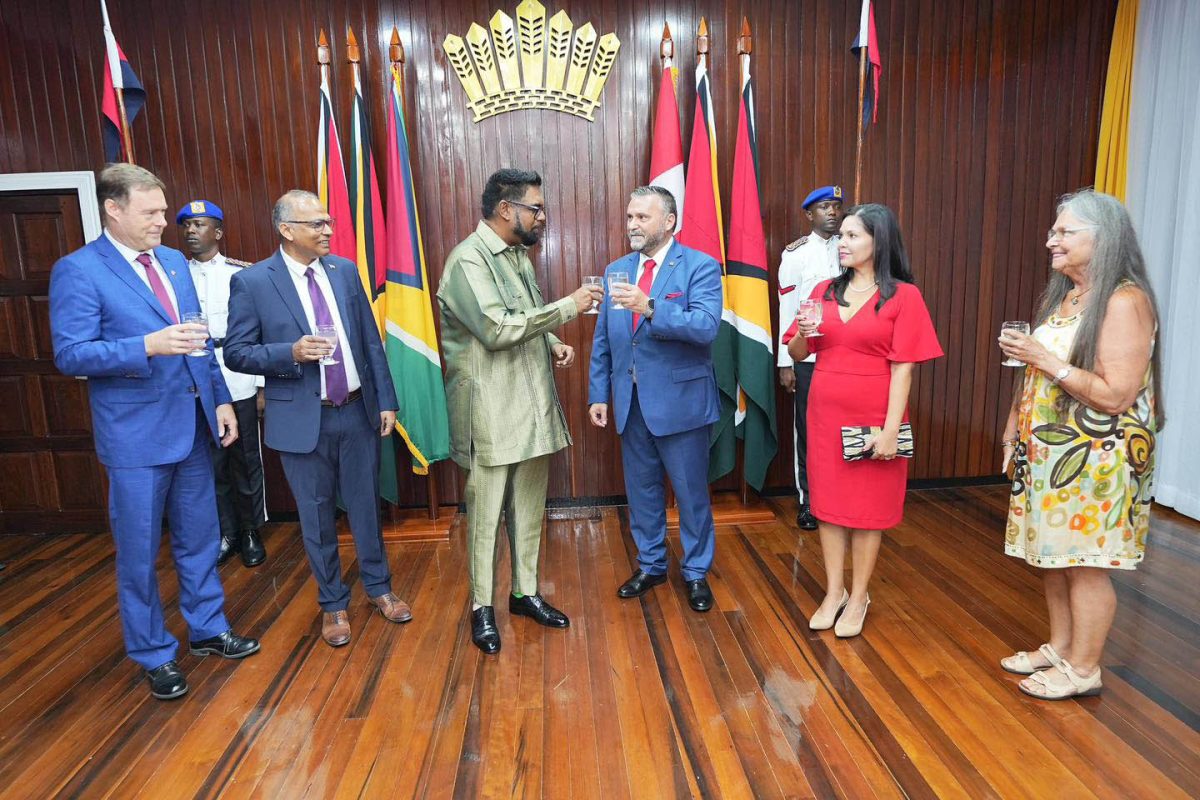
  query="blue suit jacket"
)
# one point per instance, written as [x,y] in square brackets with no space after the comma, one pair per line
[265,320]
[143,408]
[672,353]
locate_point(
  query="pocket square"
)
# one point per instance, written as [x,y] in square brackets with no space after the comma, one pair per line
[673,295]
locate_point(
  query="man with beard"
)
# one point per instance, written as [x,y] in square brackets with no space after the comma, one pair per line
[652,359]
[805,263]
[238,469]
[505,415]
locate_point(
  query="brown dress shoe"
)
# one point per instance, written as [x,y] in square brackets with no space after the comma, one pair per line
[392,607]
[335,628]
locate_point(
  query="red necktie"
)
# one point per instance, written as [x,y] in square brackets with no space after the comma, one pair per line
[645,283]
[157,286]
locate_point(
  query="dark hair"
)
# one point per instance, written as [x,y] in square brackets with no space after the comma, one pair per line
[663,194]
[116,181]
[891,260]
[507,184]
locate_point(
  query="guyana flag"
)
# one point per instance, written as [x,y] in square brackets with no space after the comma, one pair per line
[331,176]
[365,205]
[411,338]
[748,297]
[703,230]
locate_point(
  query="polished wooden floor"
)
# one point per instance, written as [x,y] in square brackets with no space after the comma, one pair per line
[638,699]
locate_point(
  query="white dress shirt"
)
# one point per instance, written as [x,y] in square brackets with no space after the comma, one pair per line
[800,270]
[130,255]
[211,279]
[297,270]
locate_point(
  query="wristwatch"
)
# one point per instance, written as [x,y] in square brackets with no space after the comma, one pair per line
[1062,374]
[650,308]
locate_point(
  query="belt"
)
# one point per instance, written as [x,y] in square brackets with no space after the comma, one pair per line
[350,398]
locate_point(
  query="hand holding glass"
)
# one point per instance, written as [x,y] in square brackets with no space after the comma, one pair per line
[1022,327]
[810,312]
[329,334]
[593,280]
[198,318]
[615,280]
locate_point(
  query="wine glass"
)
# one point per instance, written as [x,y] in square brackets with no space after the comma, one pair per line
[810,311]
[1015,325]
[198,318]
[328,333]
[615,279]
[593,280]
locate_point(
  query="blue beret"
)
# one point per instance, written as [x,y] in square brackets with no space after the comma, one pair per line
[824,193]
[199,208]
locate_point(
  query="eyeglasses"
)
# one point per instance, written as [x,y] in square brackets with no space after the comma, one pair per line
[1059,234]
[317,225]
[538,211]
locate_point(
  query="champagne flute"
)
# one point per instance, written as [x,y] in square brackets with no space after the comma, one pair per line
[329,334]
[198,318]
[1022,327]
[810,311]
[593,280]
[616,279]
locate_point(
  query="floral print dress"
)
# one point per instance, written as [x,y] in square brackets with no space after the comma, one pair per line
[1082,483]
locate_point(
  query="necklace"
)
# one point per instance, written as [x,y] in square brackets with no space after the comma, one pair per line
[870,286]
[1075,299]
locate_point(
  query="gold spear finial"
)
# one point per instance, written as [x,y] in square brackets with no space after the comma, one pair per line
[745,43]
[667,48]
[351,47]
[323,49]
[702,39]
[396,49]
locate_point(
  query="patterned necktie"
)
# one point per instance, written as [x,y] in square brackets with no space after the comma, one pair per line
[157,286]
[645,283]
[336,390]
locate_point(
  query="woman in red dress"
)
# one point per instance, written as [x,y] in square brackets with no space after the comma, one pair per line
[874,330]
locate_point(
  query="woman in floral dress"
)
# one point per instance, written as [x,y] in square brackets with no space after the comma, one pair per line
[1080,436]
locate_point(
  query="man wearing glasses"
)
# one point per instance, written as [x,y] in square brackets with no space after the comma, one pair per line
[505,415]
[302,319]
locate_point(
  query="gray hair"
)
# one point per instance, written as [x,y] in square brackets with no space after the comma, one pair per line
[1116,260]
[116,181]
[285,206]
[668,199]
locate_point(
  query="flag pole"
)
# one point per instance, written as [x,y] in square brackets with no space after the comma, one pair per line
[745,46]
[862,82]
[126,138]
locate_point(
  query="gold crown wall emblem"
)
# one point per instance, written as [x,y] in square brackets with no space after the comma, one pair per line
[548,73]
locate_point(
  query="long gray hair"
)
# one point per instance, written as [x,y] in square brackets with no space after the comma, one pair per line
[1116,259]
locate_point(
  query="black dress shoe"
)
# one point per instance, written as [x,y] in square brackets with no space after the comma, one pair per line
[253,552]
[167,682]
[226,645]
[229,546]
[537,609]
[639,583]
[699,595]
[805,519]
[484,633]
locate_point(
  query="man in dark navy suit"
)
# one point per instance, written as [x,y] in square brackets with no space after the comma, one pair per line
[327,404]
[115,311]
[652,359]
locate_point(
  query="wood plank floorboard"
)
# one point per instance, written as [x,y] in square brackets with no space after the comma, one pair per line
[637,699]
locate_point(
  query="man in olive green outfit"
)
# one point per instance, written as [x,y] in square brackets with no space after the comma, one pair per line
[505,416]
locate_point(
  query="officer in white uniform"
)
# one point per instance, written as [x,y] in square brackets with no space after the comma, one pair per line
[239,471]
[805,263]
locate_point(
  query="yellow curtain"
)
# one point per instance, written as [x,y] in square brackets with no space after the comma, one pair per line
[1118,91]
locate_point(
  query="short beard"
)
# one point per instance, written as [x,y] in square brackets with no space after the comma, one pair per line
[528,236]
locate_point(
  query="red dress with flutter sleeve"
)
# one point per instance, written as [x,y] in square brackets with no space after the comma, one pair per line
[850,387]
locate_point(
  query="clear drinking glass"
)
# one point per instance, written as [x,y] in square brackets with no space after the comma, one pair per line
[593,280]
[810,311]
[1023,327]
[329,334]
[615,278]
[198,318]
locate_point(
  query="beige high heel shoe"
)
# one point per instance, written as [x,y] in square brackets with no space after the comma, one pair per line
[819,622]
[847,628]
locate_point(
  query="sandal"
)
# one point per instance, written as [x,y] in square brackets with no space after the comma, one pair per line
[1041,686]
[1021,664]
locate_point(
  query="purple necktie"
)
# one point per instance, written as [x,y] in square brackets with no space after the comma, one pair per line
[336,390]
[157,286]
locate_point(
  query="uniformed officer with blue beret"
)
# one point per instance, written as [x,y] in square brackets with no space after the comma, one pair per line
[805,263]
[241,503]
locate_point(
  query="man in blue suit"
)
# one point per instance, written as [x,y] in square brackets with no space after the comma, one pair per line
[652,358]
[115,308]
[329,397]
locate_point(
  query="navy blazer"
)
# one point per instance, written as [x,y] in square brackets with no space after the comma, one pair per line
[265,320]
[143,408]
[671,353]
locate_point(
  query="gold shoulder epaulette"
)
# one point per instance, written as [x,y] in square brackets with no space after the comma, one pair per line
[236,262]
[796,243]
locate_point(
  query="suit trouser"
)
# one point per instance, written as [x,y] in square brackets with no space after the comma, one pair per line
[684,456]
[137,497]
[519,492]
[345,461]
[804,376]
[238,473]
